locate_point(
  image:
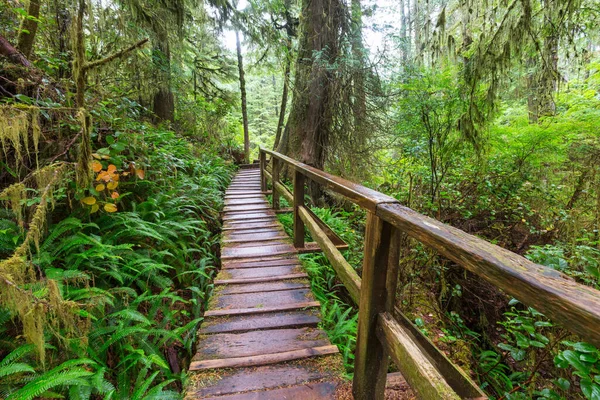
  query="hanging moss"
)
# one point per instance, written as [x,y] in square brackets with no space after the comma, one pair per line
[15,128]
[50,311]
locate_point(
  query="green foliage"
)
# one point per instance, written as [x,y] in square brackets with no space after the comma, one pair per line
[339,316]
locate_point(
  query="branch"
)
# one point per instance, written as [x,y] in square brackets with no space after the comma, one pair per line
[14,55]
[116,55]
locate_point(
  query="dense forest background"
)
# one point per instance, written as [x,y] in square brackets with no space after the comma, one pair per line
[121,122]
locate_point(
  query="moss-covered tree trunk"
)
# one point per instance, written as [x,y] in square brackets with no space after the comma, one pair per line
[308,130]
[164,100]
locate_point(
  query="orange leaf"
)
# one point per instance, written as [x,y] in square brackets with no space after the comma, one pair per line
[112,185]
[140,173]
[89,200]
[114,195]
[96,166]
[111,169]
[103,176]
[95,208]
[115,177]
[109,207]
[100,187]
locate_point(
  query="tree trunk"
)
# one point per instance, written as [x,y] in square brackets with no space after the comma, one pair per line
[238,47]
[358,53]
[309,126]
[416,21]
[28,28]
[78,65]
[164,100]
[403,35]
[284,98]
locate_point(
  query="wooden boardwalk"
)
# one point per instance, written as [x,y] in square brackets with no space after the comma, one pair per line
[260,338]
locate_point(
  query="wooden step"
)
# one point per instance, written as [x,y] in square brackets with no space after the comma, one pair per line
[275,320]
[263,287]
[307,391]
[263,359]
[245,311]
[256,343]
[259,272]
[261,279]
[259,300]
[273,262]
[250,226]
[258,251]
[260,378]
[248,215]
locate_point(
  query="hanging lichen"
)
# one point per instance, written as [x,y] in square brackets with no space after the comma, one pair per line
[15,128]
[36,311]
[15,195]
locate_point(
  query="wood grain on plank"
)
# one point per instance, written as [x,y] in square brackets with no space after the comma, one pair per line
[243,311]
[264,359]
[243,323]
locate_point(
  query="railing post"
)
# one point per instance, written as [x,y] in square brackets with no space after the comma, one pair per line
[275,176]
[298,201]
[380,266]
[263,175]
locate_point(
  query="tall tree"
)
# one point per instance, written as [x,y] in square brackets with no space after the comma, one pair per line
[240,62]
[309,127]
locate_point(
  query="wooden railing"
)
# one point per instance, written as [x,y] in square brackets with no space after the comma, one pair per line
[383,331]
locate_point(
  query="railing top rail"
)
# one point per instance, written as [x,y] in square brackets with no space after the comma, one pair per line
[575,306]
[361,195]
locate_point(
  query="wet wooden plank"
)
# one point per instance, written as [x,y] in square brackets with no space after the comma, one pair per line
[244,323]
[245,311]
[257,264]
[256,237]
[307,391]
[261,279]
[246,207]
[228,345]
[252,200]
[260,251]
[248,215]
[252,225]
[264,287]
[267,242]
[265,377]
[264,359]
[264,299]
[259,272]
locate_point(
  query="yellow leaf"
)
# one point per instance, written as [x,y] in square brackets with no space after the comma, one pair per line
[114,195]
[140,173]
[97,156]
[100,187]
[89,200]
[112,185]
[111,169]
[105,157]
[95,208]
[109,207]
[96,166]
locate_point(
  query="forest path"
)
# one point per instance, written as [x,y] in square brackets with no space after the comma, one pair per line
[260,338]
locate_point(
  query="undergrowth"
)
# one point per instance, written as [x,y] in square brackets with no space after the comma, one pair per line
[140,276]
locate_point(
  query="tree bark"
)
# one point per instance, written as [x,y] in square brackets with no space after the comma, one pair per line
[28,28]
[240,59]
[403,35]
[310,123]
[284,98]
[164,100]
